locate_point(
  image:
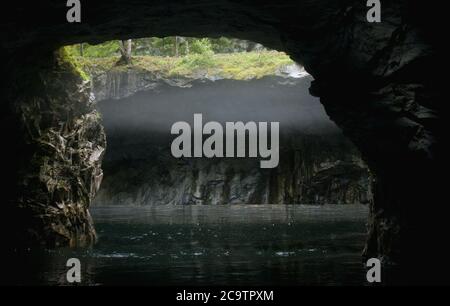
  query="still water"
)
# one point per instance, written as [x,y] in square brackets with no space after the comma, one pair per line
[214,245]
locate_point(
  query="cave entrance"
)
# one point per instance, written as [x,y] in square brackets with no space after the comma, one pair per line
[391,109]
[220,220]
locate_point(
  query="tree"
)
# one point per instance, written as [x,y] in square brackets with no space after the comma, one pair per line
[176,46]
[125,51]
[187,46]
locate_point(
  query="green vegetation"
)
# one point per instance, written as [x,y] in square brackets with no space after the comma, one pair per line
[239,66]
[188,58]
[66,57]
[167,46]
[109,48]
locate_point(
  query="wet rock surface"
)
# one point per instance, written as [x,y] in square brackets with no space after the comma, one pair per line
[303,177]
[62,146]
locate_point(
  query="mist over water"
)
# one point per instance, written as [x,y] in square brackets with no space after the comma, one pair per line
[284,100]
[317,164]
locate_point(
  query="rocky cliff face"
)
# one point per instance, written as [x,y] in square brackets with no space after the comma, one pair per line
[312,171]
[61,148]
[318,165]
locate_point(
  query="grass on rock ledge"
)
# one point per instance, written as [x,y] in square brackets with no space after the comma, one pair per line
[239,66]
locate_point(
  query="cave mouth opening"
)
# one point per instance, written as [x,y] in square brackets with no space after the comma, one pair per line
[175,210]
[225,80]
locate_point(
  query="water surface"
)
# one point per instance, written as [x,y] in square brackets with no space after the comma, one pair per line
[215,245]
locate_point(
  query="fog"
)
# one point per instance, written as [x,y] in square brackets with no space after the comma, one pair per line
[285,100]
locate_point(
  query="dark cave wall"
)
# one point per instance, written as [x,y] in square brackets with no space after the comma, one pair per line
[55,155]
[379,82]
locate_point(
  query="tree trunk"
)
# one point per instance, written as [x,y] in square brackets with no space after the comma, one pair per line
[176,46]
[125,51]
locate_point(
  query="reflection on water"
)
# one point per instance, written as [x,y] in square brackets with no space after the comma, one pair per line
[213,245]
